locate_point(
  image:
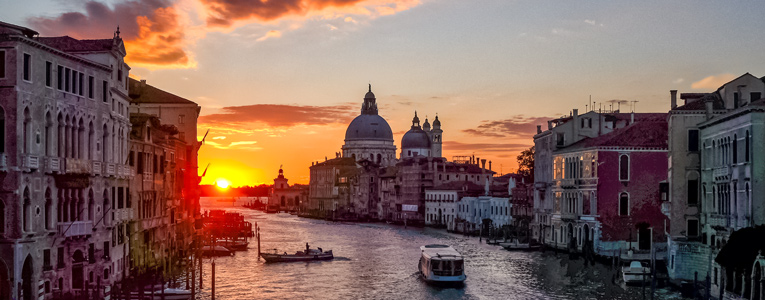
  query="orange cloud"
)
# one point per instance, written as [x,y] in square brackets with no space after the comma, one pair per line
[279,115]
[713,82]
[150,29]
[270,34]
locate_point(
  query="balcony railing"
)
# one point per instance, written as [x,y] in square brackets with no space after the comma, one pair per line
[31,162]
[77,228]
[3,162]
[110,169]
[97,167]
[78,166]
[52,165]
[721,171]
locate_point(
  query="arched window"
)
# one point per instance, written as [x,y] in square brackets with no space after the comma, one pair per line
[105,207]
[746,151]
[91,140]
[2,217]
[25,218]
[48,134]
[379,158]
[624,167]
[624,204]
[735,149]
[2,131]
[91,206]
[60,136]
[26,129]
[48,208]
[104,142]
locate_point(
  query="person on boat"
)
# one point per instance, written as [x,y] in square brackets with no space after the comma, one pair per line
[320,250]
[306,248]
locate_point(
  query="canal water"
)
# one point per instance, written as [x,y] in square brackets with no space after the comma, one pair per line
[379,261]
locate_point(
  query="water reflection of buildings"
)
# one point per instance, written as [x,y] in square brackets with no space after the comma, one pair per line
[70,201]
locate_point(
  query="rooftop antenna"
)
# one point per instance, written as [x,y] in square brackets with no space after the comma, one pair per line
[634,104]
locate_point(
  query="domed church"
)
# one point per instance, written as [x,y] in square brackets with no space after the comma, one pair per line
[422,141]
[369,136]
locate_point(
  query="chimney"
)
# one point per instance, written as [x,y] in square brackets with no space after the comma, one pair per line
[576,112]
[483,165]
[539,129]
[673,98]
[632,117]
[574,118]
[549,125]
[709,103]
[489,165]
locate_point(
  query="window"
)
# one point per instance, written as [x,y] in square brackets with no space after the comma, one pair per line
[60,257]
[2,130]
[693,227]
[2,63]
[561,139]
[82,79]
[46,260]
[60,76]
[746,151]
[735,100]
[735,149]
[66,79]
[693,140]
[180,119]
[624,204]
[90,86]
[624,167]
[106,249]
[27,67]
[693,192]
[105,90]
[48,73]
[754,96]
[2,217]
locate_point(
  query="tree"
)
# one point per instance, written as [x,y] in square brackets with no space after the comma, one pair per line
[526,164]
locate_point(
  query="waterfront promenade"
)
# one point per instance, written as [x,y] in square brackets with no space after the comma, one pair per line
[378,261]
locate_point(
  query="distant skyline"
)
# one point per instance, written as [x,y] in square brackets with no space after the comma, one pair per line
[279,81]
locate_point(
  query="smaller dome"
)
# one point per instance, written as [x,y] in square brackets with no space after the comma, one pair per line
[426,125]
[415,139]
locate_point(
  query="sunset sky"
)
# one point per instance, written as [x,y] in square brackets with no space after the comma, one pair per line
[279,80]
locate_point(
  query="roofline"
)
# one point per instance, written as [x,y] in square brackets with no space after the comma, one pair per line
[731,115]
[43,46]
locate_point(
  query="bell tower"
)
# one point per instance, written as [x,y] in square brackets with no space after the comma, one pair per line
[436,135]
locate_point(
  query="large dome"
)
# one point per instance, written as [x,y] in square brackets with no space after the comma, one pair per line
[369,127]
[415,138]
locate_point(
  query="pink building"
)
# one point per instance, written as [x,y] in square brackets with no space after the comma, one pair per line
[606,190]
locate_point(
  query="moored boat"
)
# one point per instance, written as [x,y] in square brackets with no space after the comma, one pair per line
[515,245]
[636,273]
[441,264]
[307,255]
[216,251]
[169,294]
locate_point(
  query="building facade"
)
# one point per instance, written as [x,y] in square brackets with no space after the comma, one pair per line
[64,149]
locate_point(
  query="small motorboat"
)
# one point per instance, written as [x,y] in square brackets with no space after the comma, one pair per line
[441,264]
[307,255]
[169,294]
[234,245]
[515,245]
[636,273]
[216,251]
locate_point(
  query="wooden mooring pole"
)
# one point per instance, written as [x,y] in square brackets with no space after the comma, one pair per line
[257,233]
[212,281]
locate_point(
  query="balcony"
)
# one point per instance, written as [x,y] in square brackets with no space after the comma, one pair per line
[52,165]
[77,166]
[97,167]
[78,228]
[3,162]
[110,169]
[721,172]
[31,162]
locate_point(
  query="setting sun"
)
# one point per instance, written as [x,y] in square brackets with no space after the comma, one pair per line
[222,183]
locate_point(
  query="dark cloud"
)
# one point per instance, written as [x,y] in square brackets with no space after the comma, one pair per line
[279,115]
[223,12]
[516,127]
[150,29]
